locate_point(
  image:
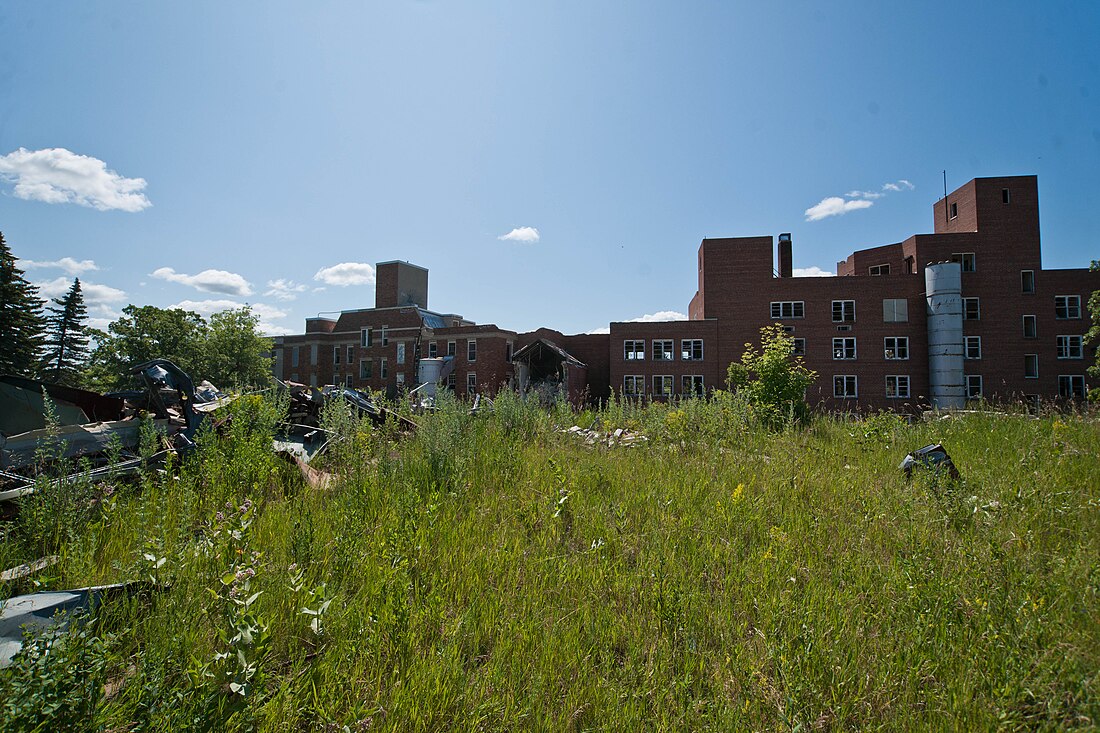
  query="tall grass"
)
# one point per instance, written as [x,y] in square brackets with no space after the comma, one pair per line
[493,573]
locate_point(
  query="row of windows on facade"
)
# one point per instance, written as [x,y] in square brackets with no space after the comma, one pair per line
[846,386]
[366,342]
[690,384]
[663,350]
[349,379]
[896,310]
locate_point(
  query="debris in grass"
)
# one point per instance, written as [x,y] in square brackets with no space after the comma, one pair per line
[619,436]
[28,568]
[931,457]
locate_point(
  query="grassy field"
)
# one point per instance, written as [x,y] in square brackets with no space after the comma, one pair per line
[494,573]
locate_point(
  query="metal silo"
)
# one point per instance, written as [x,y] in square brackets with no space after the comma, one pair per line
[943,291]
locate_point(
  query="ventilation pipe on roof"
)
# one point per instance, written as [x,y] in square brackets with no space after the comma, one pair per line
[786,263]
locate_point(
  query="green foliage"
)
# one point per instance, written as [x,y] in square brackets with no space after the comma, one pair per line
[20,317]
[493,573]
[66,342]
[55,681]
[228,351]
[773,381]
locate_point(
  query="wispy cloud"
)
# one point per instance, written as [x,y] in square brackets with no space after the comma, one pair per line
[60,176]
[814,271]
[284,289]
[208,281]
[101,300]
[65,264]
[521,234]
[853,201]
[835,206]
[266,313]
[657,317]
[345,274]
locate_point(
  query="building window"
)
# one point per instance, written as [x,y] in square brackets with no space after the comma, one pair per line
[896,348]
[1031,366]
[878,270]
[347,381]
[634,350]
[451,350]
[382,369]
[400,352]
[294,356]
[471,350]
[508,352]
[365,339]
[897,386]
[966,259]
[662,385]
[1067,307]
[351,354]
[895,310]
[313,354]
[633,385]
[844,386]
[662,350]
[433,349]
[788,309]
[844,348]
[471,382]
[798,347]
[366,369]
[971,309]
[383,335]
[1069,347]
[335,355]
[1031,328]
[909,265]
[1006,196]
[692,384]
[1027,281]
[954,210]
[691,349]
[452,380]
[973,347]
[973,386]
[844,311]
[1071,385]
[400,378]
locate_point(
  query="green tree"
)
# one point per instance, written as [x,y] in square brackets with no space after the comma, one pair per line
[236,354]
[772,379]
[66,344]
[20,317]
[144,333]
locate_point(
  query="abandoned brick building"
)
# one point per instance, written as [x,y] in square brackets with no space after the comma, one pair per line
[964,313]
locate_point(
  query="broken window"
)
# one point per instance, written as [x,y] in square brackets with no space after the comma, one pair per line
[973,347]
[400,352]
[691,349]
[692,384]
[972,310]
[1031,328]
[662,385]
[634,350]
[844,348]
[1071,385]
[433,349]
[471,382]
[798,347]
[336,355]
[1067,307]
[633,385]
[366,369]
[844,311]
[788,309]
[662,350]
[973,386]
[471,350]
[1070,347]
[896,347]
[844,385]
[897,386]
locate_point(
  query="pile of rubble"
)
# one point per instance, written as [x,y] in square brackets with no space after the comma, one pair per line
[611,438]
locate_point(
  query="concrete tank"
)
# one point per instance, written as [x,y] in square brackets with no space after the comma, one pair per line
[943,291]
[428,374]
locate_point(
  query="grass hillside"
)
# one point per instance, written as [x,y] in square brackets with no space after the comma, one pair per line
[493,573]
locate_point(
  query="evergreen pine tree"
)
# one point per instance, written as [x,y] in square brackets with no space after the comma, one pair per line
[66,339]
[20,317]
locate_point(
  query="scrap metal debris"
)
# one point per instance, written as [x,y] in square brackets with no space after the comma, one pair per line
[28,568]
[931,457]
[617,437]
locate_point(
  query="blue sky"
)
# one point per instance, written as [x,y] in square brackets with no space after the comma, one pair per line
[214,153]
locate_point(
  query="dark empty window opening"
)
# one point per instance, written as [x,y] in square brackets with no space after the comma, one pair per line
[954,211]
[1006,197]
[1027,281]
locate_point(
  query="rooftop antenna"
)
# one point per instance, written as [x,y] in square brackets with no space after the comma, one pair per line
[946,214]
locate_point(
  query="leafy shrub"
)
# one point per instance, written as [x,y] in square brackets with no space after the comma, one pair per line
[772,380]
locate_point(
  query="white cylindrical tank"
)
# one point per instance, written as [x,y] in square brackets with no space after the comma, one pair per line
[428,374]
[943,291]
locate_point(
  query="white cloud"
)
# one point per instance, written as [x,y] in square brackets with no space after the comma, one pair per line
[814,271]
[346,273]
[601,329]
[60,176]
[835,206]
[864,195]
[659,316]
[284,289]
[266,313]
[66,264]
[208,281]
[901,185]
[94,293]
[521,234]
